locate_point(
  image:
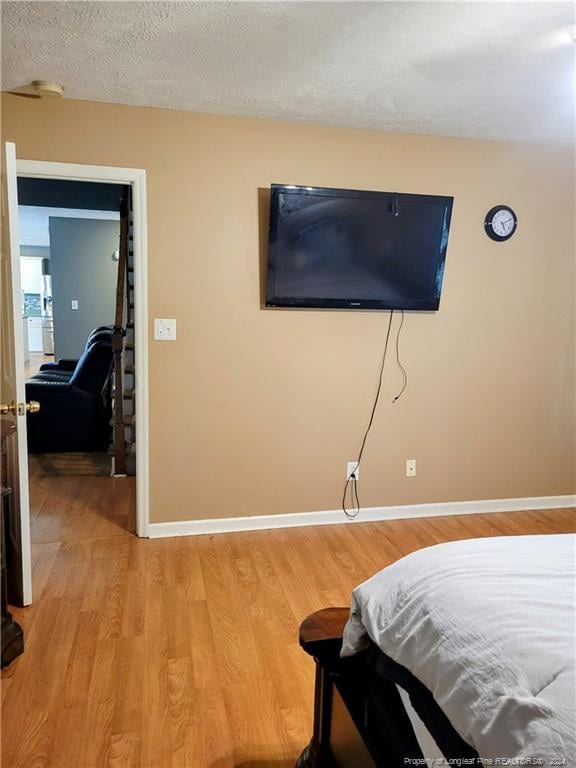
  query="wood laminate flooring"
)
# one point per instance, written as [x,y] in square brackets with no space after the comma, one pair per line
[183,652]
[85,464]
[35,360]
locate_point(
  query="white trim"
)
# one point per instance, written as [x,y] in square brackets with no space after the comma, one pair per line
[105,174]
[20,384]
[368,515]
[137,178]
[140,232]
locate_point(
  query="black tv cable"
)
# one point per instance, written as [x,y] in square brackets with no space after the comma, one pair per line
[404,374]
[352,481]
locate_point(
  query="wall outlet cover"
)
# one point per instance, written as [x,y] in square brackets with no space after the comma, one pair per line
[352,467]
[74,304]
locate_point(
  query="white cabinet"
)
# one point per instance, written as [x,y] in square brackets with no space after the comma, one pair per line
[31,274]
[35,334]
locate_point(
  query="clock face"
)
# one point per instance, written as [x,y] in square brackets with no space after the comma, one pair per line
[500,223]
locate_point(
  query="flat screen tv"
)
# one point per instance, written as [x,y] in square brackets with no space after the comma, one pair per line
[342,248]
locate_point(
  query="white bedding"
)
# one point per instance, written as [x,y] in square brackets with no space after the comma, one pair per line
[488,625]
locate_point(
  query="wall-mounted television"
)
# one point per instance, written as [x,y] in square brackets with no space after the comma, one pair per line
[343,248]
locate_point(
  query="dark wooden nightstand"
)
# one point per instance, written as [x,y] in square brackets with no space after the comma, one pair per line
[12,636]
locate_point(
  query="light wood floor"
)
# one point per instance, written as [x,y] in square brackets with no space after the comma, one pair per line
[183,653]
[35,360]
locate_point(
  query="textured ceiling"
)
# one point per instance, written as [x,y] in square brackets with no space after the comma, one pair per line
[474,69]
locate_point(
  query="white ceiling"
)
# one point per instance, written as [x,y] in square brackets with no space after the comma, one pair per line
[474,69]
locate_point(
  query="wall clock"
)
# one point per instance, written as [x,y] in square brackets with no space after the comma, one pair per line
[500,223]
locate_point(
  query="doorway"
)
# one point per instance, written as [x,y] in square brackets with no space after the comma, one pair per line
[135,180]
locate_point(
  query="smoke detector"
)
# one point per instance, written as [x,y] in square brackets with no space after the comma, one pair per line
[39,89]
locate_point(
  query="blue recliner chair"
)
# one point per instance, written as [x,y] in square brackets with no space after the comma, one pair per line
[64,368]
[75,407]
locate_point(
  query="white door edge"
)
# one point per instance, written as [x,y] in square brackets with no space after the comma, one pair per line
[137,178]
[21,434]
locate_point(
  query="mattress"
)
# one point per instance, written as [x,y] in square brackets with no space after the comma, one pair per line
[488,626]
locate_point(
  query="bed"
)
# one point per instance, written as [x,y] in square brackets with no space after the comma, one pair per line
[463,651]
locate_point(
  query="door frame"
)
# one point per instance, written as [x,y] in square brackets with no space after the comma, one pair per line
[136,177]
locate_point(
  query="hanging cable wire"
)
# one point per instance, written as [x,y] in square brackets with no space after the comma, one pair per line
[404,374]
[352,481]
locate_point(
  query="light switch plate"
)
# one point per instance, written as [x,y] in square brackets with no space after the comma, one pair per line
[74,304]
[164,329]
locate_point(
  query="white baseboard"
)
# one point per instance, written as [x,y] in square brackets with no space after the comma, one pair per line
[367,515]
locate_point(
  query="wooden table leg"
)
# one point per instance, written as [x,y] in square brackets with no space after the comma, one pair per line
[320,636]
[318,753]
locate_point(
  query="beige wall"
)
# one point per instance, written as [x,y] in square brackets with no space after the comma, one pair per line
[255,411]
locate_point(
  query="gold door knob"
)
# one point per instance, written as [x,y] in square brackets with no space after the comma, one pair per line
[19,409]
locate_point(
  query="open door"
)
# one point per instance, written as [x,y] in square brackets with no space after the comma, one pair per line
[12,389]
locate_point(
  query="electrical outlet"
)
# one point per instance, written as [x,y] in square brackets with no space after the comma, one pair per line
[73,303]
[352,468]
[410,467]
[164,330]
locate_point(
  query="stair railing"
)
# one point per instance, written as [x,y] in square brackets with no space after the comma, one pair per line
[118,336]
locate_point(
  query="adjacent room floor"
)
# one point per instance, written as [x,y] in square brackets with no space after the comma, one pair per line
[35,360]
[183,652]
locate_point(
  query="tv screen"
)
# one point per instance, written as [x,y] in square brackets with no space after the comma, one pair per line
[344,248]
